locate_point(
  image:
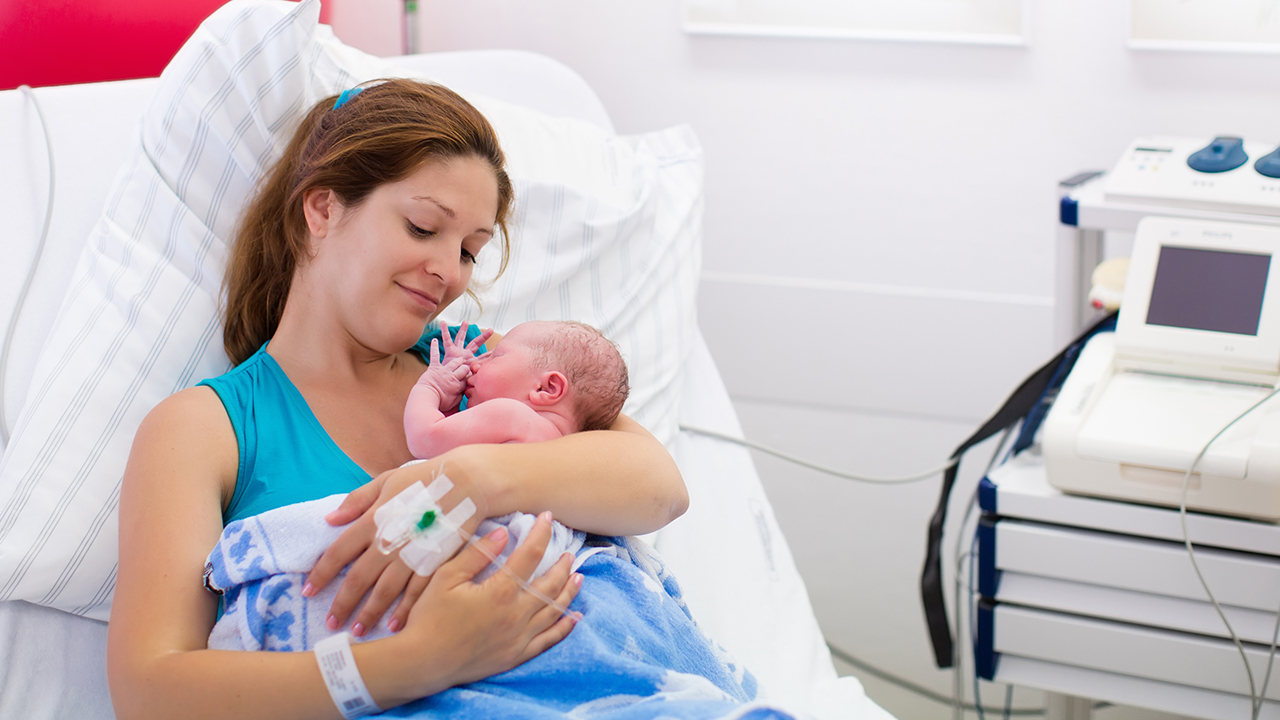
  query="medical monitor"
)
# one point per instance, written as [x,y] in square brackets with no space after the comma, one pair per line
[1196,299]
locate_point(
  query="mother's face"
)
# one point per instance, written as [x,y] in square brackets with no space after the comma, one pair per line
[396,260]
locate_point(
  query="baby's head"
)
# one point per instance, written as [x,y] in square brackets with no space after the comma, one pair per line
[591,366]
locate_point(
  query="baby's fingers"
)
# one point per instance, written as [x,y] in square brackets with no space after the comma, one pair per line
[460,339]
[480,339]
[452,343]
[462,372]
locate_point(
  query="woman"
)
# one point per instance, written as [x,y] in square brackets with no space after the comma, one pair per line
[365,230]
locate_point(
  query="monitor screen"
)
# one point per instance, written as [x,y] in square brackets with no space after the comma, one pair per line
[1209,290]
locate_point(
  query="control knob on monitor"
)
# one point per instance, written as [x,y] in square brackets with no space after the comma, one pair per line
[1269,164]
[1223,154]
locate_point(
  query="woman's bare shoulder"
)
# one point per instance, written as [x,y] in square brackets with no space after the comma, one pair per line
[194,409]
[190,429]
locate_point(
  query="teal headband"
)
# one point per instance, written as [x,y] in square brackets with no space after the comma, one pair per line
[347,95]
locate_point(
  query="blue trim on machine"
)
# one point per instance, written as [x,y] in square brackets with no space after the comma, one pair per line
[988,575]
[985,657]
[987,492]
[1069,211]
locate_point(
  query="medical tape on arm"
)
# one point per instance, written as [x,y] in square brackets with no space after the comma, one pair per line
[427,536]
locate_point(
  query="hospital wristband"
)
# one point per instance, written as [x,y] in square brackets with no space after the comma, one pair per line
[342,677]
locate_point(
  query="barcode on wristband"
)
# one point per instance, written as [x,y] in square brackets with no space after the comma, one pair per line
[342,677]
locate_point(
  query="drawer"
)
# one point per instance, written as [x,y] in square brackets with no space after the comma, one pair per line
[1123,649]
[1143,565]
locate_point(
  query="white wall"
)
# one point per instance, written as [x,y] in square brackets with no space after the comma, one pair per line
[879,240]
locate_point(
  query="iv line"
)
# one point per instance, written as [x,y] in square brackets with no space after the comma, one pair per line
[472,541]
[815,466]
[420,528]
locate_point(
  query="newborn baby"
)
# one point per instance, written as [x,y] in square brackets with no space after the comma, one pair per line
[542,381]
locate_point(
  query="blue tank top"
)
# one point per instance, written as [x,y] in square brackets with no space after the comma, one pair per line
[286,456]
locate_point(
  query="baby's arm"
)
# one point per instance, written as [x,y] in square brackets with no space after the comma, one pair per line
[438,389]
[500,420]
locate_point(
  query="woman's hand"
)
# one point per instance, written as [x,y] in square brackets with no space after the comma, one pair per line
[478,630]
[386,575]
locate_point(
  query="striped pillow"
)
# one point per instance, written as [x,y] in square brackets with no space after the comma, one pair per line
[606,232]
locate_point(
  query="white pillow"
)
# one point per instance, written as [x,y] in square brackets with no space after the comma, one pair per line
[630,271]
[607,232]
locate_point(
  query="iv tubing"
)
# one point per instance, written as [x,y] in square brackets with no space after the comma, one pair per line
[821,468]
[471,540]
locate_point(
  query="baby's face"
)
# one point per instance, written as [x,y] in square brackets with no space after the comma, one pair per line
[507,370]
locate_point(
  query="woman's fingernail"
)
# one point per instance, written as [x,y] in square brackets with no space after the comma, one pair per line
[577,616]
[394,625]
[545,515]
[308,590]
[577,579]
[331,622]
[496,535]
[358,629]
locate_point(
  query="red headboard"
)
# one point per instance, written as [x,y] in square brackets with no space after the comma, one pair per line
[58,42]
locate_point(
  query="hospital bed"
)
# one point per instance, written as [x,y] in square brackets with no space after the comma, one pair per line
[67,431]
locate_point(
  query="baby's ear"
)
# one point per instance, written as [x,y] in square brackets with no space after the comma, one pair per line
[553,386]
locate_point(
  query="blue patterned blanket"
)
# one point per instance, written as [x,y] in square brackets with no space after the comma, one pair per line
[636,654]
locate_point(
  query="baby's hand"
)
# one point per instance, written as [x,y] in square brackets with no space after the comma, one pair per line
[448,378]
[457,347]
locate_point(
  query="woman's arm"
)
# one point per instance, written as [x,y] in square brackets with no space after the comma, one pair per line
[170,518]
[180,472]
[620,481]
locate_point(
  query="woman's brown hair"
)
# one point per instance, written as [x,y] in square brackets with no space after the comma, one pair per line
[381,135]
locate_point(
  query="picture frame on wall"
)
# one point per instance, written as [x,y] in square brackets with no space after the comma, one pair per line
[983,22]
[1242,26]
